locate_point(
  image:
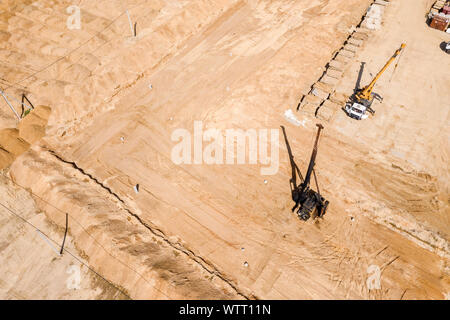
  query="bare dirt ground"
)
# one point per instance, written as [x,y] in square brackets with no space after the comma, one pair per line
[219,231]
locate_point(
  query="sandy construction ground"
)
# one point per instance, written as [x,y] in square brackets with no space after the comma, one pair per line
[110,102]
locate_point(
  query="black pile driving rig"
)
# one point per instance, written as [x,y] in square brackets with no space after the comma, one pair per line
[309,202]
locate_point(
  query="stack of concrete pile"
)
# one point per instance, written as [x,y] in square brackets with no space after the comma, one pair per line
[374,15]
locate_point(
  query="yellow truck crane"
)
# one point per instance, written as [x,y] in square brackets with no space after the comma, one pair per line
[362,100]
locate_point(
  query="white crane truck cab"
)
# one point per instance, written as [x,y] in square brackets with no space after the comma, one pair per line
[356,111]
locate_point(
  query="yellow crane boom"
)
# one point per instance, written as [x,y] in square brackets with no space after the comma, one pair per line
[366,92]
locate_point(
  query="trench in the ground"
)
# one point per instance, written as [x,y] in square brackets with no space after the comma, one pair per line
[205,265]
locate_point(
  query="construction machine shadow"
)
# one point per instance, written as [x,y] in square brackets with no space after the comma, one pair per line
[445,46]
[308,203]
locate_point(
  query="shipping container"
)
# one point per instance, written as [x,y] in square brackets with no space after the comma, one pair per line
[439,23]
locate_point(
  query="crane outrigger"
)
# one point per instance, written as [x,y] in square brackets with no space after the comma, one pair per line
[362,100]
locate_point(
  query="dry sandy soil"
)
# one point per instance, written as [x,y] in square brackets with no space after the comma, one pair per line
[218,231]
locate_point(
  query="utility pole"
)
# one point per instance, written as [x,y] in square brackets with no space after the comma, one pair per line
[65,234]
[9,104]
[133,31]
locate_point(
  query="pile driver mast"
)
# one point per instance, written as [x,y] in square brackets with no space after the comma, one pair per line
[307,201]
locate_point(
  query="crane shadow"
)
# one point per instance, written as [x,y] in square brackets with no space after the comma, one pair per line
[353,97]
[358,81]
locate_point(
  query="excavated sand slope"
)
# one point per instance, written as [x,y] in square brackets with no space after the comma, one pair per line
[208,231]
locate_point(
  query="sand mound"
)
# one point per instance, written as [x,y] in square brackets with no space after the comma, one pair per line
[32,127]
[14,142]
[6,158]
[11,141]
[11,146]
